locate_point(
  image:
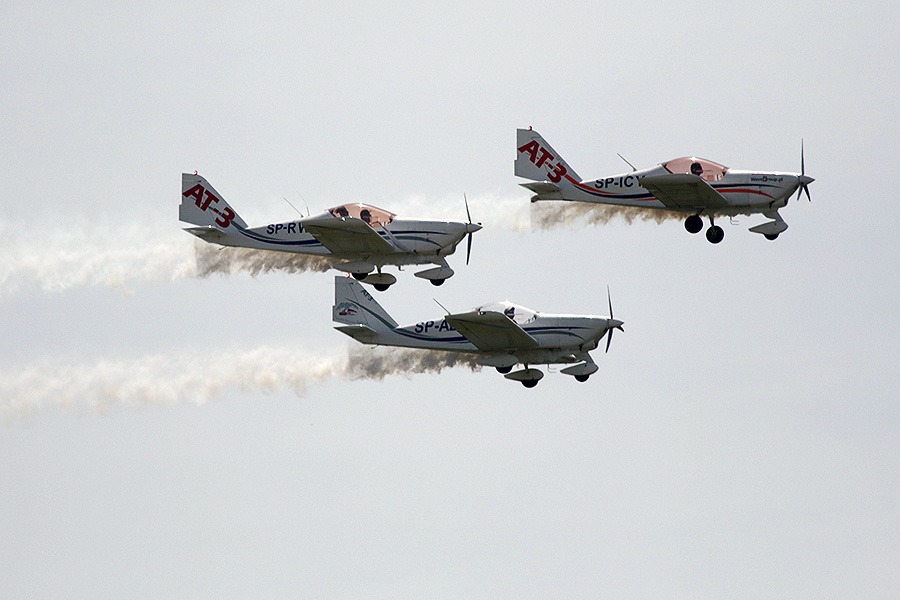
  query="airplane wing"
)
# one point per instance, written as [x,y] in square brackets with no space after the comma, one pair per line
[490,331]
[683,190]
[347,236]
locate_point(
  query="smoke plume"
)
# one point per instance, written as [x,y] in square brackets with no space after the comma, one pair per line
[212,259]
[109,384]
[552,214]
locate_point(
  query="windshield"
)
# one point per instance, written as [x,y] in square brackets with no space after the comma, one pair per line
[706,169]
[517,314]
[376,217]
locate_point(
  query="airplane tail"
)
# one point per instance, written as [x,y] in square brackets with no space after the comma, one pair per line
[538,161]
[202,205]
[362,316]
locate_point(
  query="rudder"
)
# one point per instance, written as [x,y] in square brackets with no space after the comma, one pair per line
[201,204]
[353,305]
[538,161]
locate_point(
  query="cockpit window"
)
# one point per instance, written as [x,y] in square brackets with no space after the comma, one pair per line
[706,169]
[376,217]
[514,312]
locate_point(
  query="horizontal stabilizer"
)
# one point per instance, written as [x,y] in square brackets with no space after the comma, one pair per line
[544,190]
[360,333]
[207,234]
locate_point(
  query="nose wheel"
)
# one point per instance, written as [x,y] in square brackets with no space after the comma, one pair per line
[715,234]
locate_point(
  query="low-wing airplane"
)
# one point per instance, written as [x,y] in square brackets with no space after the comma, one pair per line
[361,238]
[502,334]
[691,185]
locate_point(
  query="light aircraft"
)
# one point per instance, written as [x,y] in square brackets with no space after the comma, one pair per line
[502,334]
[361,238]
[691,185]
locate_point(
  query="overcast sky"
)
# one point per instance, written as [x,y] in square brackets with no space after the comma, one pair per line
[167,435]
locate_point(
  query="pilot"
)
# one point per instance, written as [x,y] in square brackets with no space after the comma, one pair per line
[342,211]
[510,312]
[696,168]
[365,215]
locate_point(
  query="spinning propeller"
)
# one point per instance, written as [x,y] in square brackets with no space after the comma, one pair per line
[470,229]
[612,323]
[804,179]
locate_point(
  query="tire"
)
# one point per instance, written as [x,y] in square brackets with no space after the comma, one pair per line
[437,281]
[382,287]
[581,378]
[693,224]
[771,236]
[715,234]
[503,370]
[529,383]
[360,276]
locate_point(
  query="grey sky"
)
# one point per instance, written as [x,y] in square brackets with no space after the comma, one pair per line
[739,439]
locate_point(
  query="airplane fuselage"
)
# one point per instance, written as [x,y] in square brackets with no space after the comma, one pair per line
[416,241]
[561,338]
[743,190]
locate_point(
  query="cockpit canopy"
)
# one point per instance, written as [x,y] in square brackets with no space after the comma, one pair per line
[376,217]
[517,314]
[706,169]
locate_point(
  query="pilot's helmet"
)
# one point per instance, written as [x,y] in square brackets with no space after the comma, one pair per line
[510,312]
[342,211]
[365,215]
[696,168]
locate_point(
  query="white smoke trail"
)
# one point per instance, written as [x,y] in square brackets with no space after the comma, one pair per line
[553,214]
[109,384]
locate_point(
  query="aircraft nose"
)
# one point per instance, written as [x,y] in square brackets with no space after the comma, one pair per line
[472,227]
[806,179]
[615,324]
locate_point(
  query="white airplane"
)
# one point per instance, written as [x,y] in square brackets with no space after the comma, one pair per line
[502,334]
[361,238]
[690,185]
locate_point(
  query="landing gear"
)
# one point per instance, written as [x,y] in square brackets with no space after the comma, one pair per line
[437,282]
[771,236]
[504,370]
[693,224]
[581,378]
[529,383]
[715,234]
[360,276]
[382,287]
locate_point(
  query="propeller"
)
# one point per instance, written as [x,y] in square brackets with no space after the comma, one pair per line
[804,179]
[612,323]
[470,229]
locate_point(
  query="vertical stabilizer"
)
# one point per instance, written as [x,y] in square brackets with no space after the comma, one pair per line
[201,204]
[353,305]
[538,161]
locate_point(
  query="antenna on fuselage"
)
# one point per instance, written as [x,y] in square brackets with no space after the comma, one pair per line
[441,305]
[626,162]
[292,206]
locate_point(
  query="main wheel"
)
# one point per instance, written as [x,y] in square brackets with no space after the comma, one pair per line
[771,236]
[715,234]
[381,287]
[581,378]
[436,281]
[529,383]
[360,276]
[693,224]
[504,370]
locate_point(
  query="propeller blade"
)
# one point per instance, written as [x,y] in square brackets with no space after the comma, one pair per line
[609,338]
[468,249]
[802,159]
[468,215]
